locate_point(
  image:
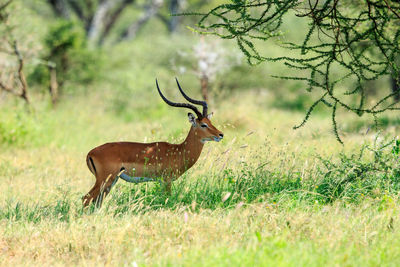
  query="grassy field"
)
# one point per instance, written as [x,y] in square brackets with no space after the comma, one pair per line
[267,195]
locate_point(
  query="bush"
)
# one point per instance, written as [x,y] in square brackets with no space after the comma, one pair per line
[66,49]
[355,176]
[17,129]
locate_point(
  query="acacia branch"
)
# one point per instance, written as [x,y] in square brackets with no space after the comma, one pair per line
[394,12]
[362,43]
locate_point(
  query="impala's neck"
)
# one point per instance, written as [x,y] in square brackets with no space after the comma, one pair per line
[191,147]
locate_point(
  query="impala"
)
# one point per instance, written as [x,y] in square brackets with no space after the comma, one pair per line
[158,161]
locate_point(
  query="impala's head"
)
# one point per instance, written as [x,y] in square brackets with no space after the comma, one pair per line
[204,128]
[202,124]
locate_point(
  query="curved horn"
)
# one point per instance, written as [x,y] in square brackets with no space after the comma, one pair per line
[179,105]
[194,101]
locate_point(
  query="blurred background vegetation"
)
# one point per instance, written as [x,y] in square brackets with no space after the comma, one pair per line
[70,47]
[55,50]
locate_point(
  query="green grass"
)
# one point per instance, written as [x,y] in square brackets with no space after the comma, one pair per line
[351,179]
[266,195]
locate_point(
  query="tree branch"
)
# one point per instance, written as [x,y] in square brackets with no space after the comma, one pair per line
[112,19]
[60,8]
[150,11]
[366,31]
[21,76]
[77,9]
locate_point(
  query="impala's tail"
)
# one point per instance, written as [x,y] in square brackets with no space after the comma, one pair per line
[90,164]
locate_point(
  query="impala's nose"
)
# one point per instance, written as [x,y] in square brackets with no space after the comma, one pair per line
[219,137]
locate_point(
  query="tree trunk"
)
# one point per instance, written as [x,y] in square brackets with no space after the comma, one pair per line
[21,75]
[204,87]
[53,88]
[174,7]
[396,87]
[97,24]
[60,8]
[112,19]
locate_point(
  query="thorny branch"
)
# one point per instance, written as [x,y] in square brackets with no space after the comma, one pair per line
[361,39]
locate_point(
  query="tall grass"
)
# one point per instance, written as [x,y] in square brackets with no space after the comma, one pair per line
[372,172]
[265,195]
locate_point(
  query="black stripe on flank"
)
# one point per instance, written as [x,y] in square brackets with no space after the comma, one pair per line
[94,167]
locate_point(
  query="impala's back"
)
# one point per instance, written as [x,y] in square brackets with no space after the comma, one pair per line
[138,159]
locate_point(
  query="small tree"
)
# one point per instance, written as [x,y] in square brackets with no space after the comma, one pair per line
[65,58]
[12,77]
[208,59]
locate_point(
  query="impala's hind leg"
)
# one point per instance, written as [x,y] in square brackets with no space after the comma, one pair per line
[100,190]
[88,198]
[105,189]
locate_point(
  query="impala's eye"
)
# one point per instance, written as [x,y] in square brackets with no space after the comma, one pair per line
[204,125]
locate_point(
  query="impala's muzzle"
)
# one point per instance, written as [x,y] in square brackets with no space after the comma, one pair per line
[218,138]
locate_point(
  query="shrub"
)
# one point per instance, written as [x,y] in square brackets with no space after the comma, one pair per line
[357,175]
[66,49]
[17,129]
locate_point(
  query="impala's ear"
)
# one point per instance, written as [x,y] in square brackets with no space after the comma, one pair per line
[209,116]
[192,119]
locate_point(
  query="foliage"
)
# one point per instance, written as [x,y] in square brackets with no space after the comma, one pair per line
[18,129]
[66,50]
[362,39]
[353,176]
